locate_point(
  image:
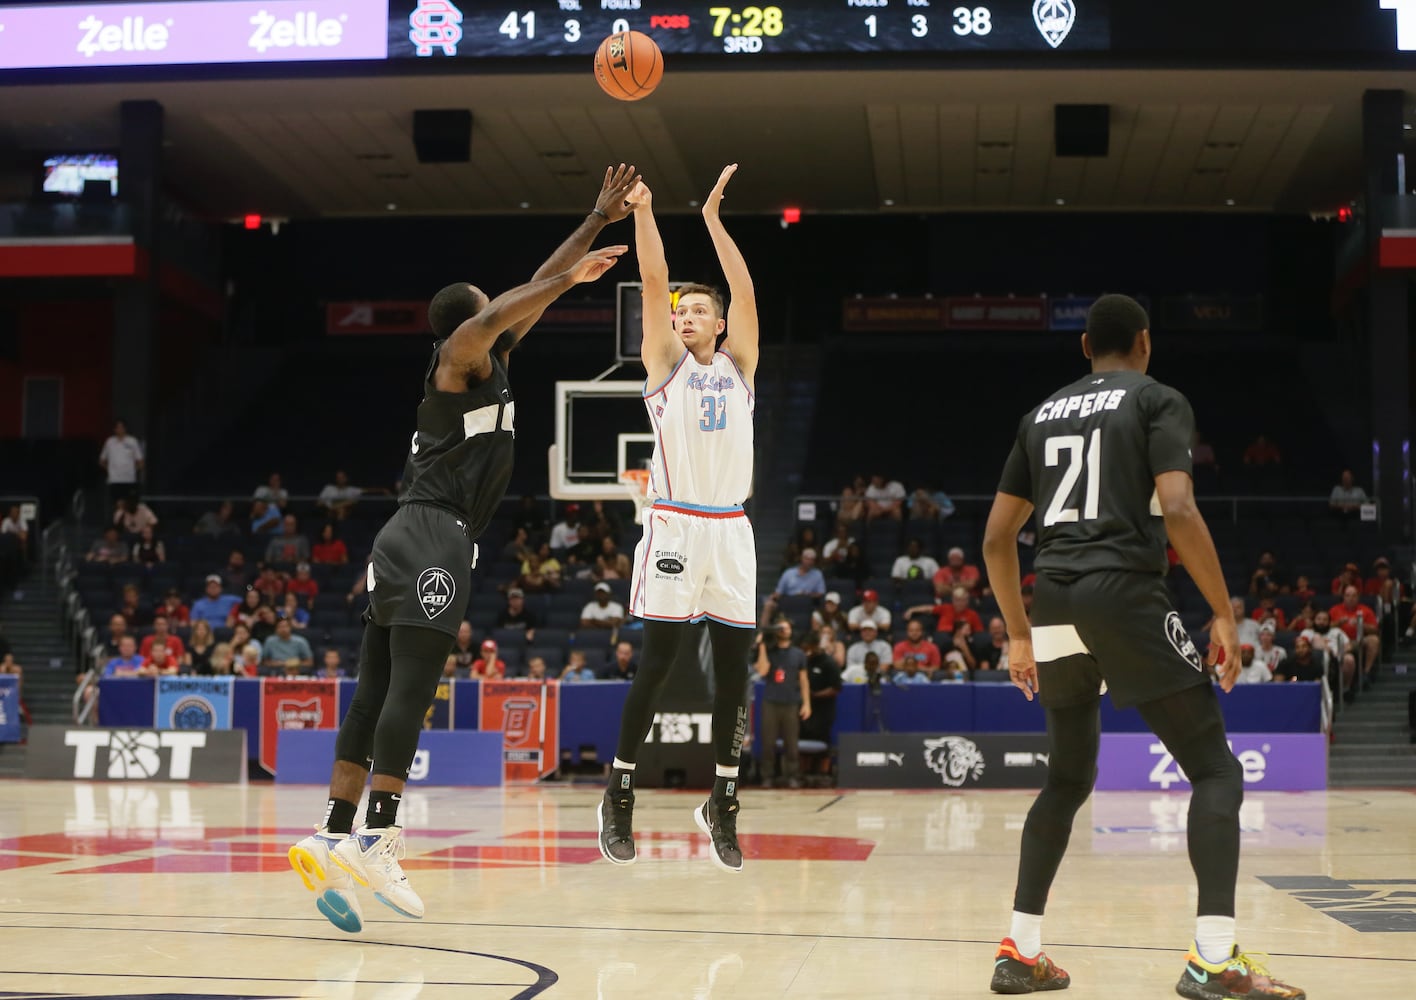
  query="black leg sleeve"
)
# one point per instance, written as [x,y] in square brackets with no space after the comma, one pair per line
[418,656]
[656,660]
[731,646]
[355,742]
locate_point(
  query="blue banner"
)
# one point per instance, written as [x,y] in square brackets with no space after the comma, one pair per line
[464,759]
[9,708]
[1070,312]
[193,703]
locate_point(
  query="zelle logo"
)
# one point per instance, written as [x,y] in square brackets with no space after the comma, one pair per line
[134,753]
[678,727]
[1166,772]
[419,770]
[132,34]
[305,30]
[1405,23]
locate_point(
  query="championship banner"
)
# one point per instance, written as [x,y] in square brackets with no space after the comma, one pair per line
[9,708]
[440,712]
[528,715]
[193,702]
[295,704]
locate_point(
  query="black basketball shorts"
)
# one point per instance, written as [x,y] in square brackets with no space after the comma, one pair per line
[422,570]
[1111,626]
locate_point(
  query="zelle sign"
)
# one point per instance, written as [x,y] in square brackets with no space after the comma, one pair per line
[191,31]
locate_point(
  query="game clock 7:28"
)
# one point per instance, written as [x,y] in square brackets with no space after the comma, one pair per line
[748,22]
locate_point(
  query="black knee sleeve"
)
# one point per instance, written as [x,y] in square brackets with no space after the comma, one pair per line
[731,647]
[355,742]
[656,662]
[417,656]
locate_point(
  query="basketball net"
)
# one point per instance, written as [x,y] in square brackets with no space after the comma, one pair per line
[636,484]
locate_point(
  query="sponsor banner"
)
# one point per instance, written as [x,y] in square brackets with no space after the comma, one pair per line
[1070,312]
[1007,313]
[346,318]
[191,32]
[136,754]
[964,313]
[930,760]
[193,702]
[310,703]
[1211,312]
[528,714]
[440,712]
[465,759]
[9,708]
[678,750]
[1272,762]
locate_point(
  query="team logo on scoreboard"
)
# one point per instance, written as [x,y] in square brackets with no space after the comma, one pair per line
[1054,18]
[435,24]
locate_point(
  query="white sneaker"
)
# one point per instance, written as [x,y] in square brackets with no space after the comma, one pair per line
[372,856]
[312,861]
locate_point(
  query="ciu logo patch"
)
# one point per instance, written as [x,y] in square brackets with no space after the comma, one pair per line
[1181,641]
[436,589]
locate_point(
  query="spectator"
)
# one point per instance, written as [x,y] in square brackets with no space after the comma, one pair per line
[463,650]
[131,606]
[9,667]
[147,550]
[870,610]
[222,659]
[292,612]
[488,666]
[786,701]
[109,549]
[1265,573]
[270,585]
[250,663]
[273,492]
[963,643]
[245,612]
[530,518]
[853,565]
[907,672]
[611,564]
[117,629]
[331,666]
[917,650]
[566,534]
[830,615]
[823,675]
[1351,576]
[264,625]
[15,524]
[914,564]
[869,642]
[1348,616]
[536,668]
[623,666]
[178,615]
[884,499]
[1262,452]
[290,546]
[1333,642]
[577,671]
[132,516]
[1247,627]
[217,524]
[240,639]
[287,651]
[956,572]
[337,499]
[1347,497]
[519,548]
[535,578]
[835,547]
[1202,454]
[1303,620]
[1253,670]
[330,549]
[829,642]
[803,579]
[1381,584]
[992,652]
[949,615]
[216,606]
[161,660]
[238,578]
[265,518]
[517,615]
[200,648]
[1305,664]
[1268,609]
[1269,654]
[162,632]
[867,671]
[924,507]
[1303,588]
[602,612]
[121,457]
[303,585]
[128,663]
[851,507]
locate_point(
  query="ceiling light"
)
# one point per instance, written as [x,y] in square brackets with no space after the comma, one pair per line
[693,203]
[889,202]
[1061,201]
[1229,201]
[525,204]
[391,207]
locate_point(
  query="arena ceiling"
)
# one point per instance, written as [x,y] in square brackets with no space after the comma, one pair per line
[900,141]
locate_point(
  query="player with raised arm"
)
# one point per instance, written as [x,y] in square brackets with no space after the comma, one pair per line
[697,558]
[418,579]
[1106,461]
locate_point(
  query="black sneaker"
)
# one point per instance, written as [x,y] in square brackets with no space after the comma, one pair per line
[718,820]
[615,820]
[1242,977]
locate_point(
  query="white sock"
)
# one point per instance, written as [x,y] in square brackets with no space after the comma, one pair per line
[1214,938]
[1027,933]
[724,771]
[620,765]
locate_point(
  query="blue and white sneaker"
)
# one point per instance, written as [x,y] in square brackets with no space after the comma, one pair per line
[334,887]
[372,856]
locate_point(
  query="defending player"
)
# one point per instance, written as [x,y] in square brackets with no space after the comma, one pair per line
[1106,460]
[697,558]
[418,580]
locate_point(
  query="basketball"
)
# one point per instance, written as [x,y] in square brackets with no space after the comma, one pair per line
[628,65]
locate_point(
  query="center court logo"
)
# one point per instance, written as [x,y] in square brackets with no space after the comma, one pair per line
[436,590]
[1181,641]
[954,758]
[1054,18]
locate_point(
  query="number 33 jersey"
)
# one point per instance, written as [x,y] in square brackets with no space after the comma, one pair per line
[1087,459]
[702,421]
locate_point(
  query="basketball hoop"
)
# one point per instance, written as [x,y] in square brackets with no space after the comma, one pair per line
[636,484]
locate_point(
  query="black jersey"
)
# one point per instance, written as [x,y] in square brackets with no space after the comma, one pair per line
[1087,459]
[461,455]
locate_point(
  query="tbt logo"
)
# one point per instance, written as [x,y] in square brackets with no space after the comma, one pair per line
[436,590]
[1054,18]
[679,727]
[133,754]
[954,758]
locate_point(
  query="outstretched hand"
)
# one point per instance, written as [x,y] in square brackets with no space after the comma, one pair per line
[715,197]
[618,183]
[596,263]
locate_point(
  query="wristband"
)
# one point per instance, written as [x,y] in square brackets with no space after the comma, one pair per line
[596,211]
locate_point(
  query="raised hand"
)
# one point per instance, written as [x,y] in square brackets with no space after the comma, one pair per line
[715,197]
[596,263]
[639,195]
[618,183]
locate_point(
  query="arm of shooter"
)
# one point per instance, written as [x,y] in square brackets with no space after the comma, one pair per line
[742,298]
[1000,555]
[660,348]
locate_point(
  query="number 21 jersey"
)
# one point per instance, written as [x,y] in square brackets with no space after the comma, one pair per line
[1087,459]
[702,421]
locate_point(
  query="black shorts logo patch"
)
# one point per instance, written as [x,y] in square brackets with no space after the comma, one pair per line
[436,590]
[1180,639]
[671,566]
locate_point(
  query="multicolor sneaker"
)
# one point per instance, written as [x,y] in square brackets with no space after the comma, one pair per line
[1013,974]
[718,820]
[615,820]
[371,855]
[1242,977]
[333,885]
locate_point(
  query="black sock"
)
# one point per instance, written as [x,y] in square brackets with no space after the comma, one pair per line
[339,816]
[383,810]
[725,789]
[621,782]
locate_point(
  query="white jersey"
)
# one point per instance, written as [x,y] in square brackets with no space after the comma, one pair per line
[702,421]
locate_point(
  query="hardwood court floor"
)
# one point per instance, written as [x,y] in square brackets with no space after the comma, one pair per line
[149,890]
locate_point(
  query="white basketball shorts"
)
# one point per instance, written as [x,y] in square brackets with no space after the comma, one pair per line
[695,562]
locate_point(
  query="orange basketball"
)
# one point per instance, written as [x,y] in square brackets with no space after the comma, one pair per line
[628,65]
